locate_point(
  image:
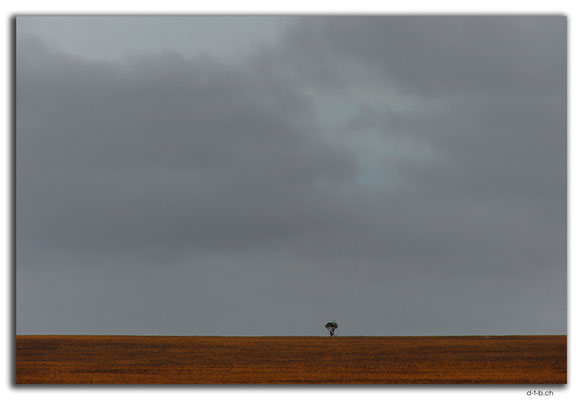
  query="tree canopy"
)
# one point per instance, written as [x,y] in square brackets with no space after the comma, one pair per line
[331,326]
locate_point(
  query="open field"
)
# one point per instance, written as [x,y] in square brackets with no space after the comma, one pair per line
[294,359]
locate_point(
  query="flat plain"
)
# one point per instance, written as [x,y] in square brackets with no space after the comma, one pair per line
[291,359]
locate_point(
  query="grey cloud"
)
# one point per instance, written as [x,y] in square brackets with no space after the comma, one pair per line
[162,185]
[434,55]
[189,140]
[98,37]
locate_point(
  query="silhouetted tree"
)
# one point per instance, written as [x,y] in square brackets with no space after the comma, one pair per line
[331,326]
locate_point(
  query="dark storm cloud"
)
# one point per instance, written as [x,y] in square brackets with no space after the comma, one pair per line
[405,174]
[431,55]
[167,149]
[497,136]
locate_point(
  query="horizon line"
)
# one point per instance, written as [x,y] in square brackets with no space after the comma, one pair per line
[262,336]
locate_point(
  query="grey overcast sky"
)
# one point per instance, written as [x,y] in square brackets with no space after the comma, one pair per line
[404,175]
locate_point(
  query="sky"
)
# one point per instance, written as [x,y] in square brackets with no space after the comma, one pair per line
[402,175]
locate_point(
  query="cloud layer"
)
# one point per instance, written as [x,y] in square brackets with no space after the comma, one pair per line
[402,175]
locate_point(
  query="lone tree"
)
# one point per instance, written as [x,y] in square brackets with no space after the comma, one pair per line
[331,326]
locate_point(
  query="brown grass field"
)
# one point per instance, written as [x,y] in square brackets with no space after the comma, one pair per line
[291,360]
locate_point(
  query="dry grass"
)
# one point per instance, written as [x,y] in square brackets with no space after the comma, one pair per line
[199,359]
